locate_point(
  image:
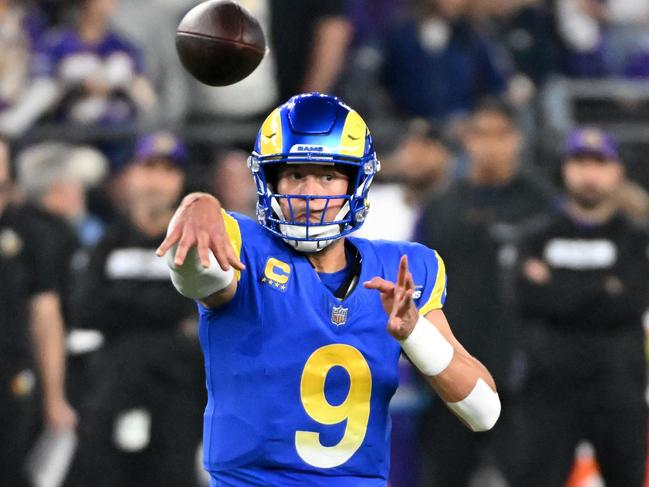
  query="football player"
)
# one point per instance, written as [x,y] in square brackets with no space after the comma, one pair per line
[301,360]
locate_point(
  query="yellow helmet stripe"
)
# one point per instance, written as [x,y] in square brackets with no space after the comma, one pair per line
[352,140]
[271,134]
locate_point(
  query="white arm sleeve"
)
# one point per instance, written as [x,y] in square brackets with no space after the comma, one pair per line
[480,409]
[194,281]
[427,348]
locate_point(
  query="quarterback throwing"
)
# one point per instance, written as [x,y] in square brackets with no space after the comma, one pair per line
[302,325]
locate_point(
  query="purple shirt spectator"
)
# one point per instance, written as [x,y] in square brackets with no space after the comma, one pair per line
[439,72]
[21,27]
[372,18]
[74,63]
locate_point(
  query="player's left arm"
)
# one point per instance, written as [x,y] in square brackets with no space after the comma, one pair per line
[458,378]
[465,385]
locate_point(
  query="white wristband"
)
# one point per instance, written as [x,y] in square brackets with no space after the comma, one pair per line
[427,348]
[480,409]
[192,280]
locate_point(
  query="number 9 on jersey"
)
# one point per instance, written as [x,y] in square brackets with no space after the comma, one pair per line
[355,409]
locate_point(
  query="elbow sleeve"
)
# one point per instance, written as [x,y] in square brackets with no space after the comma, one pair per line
[480,409]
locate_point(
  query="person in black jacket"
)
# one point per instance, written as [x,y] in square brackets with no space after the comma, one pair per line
[141,425]
[583,287]
[30,316]
[473,225]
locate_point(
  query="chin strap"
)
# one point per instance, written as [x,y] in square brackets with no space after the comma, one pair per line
[315,231]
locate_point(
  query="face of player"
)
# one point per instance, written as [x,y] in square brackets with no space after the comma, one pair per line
[492,142]
[591,180]
[5,182]
[311,179]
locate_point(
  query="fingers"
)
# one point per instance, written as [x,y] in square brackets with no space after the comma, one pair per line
[203,248]
[220,252]
[410,283]
[220,247]
[404,278]
[403,301]
[233,259]
[403,271]
[184,245]
[169,241]
[379,284]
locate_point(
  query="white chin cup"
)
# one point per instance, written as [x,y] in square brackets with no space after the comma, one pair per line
[315,231]
[309,246]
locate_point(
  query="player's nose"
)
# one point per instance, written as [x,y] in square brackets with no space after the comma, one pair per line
[311,186]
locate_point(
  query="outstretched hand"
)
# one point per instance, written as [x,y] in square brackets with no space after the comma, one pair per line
[397,300]
[198,222]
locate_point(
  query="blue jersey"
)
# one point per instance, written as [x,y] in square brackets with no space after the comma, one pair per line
[299,381]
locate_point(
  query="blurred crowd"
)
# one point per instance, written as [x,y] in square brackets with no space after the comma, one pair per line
[484,112]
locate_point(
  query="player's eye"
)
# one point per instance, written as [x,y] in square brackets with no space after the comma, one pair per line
[328,177]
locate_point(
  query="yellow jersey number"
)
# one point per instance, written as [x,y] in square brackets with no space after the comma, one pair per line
[355,409]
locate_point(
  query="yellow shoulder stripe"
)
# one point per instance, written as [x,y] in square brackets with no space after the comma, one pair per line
[234,232]
[435,300]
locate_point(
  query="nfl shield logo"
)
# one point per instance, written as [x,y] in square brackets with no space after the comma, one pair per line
[339,315]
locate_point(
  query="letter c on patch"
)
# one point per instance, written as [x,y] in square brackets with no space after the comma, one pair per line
[277,271]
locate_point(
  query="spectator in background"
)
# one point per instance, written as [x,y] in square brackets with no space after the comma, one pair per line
[627,38]
[156,38]
[310,40]
[371,19]
[29,307]
[419,166]
[141,424]
[436,65]
[52,192]
[605,37]
[526,28]
[633,201]
[21,26]
[87,74]
[473,224]
[54,178]
[162,147]
[232,184]
[582,288]
[580,24]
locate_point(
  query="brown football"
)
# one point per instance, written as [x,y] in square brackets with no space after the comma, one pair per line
[219,42]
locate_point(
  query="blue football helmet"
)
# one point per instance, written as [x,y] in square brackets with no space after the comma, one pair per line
[313,129]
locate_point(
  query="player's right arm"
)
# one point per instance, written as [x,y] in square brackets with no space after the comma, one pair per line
[201,257]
